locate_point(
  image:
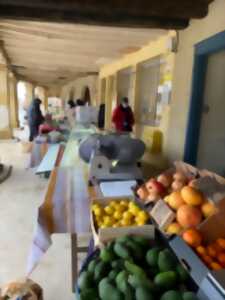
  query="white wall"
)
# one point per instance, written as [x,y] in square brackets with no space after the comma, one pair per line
[196,32]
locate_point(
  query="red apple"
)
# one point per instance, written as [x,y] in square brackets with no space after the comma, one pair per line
[178,185]
[165,179]
[153,197]
[155,186]
[142,192]
[179,176]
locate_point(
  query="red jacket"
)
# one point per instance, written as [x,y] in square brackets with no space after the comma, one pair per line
[123,118]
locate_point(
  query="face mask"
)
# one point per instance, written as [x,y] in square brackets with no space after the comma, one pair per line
[125,105]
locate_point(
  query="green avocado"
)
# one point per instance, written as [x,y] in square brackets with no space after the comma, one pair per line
[122,251]
[108,292]
[85,280]
[172,295]
[143,294]
[101,271]
[89,294]
[107,255]
[143,241]
[137,281]
[166,261]
[92,265]
[166,280]
[122,281]
[118,264]
[134,269]
[189,296]
[152,257]
[112,275]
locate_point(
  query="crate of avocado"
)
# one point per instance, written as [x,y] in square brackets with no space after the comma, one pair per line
[134,267]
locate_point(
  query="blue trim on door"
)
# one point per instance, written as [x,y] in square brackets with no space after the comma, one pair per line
[202,52]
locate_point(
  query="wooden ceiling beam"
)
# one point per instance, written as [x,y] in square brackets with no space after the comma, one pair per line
[106,16]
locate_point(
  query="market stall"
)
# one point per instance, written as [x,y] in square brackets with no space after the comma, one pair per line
[161,238]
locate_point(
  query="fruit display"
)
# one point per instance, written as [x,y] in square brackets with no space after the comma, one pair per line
[213,254]
[180,193]
[119,213]
[131,268]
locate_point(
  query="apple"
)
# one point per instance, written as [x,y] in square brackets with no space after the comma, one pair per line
[153,197]
[165,179]
[155,186]
[178,185]
[179,176]
[142,192]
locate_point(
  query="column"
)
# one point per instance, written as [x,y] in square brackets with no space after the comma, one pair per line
[108,102]
[45,100]
[5,128]
[29,94]
[13,101]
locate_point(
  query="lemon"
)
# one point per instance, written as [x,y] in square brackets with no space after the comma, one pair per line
[99,211]
[124,203]
[125,222]
[109,210]
[113,203]
[139,222]
[121,208]
[142,215]
[127,215]
[107,221]
[95,206]
[134,210]
[118,215]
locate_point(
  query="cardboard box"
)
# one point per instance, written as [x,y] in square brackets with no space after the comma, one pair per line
[98,233]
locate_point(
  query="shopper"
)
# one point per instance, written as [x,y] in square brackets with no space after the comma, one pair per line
[35,118]
[123,117]
[101,116]
[71,113]
[48,125]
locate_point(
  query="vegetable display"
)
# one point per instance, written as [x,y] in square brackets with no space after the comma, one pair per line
[131,268]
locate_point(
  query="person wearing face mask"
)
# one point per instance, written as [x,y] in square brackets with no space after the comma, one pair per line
[123,117]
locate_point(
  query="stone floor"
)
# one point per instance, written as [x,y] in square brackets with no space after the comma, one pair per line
[20,197]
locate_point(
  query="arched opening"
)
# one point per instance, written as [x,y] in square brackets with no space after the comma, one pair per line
[21,92]
[87,96]
[72,94]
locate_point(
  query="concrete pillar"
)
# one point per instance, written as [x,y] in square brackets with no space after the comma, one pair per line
[5,128]
[108,102]
[29,94]
[45,100]
[13,101]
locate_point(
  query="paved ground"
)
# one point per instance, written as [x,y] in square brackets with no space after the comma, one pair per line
[20,197]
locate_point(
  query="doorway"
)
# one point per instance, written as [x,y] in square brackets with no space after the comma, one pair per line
[205,141]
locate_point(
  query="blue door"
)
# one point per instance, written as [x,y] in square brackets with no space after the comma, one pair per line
[205,139]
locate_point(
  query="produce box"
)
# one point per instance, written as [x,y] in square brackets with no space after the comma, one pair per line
[134,265]
[115,212]
[210,252]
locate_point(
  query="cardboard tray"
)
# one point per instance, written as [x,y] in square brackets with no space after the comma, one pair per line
[211,229]
[99,233]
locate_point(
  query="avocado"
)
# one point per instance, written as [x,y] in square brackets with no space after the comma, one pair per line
[92,265]
[121,251]
[166,280]
[101,271]
[171,295]
[108,292]
[85,280]
[166,261]
[189,296]
[144,242]
[123,239]
[143,294]
[89,294]
[122,281]
[152,257]
[134,269]
[182,273]
[137,281]
[118,264]
[112,275]
[135,248]
[107,255]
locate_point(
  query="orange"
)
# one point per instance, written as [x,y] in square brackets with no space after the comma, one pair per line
[212,251]
[191,196]
[221,259]
[215,266]
[201,250]
[221,243]
[192,237]
[208,209]
[207,259]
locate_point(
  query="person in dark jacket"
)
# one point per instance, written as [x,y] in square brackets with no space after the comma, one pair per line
[123,117]
[101,116]
[35,118]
